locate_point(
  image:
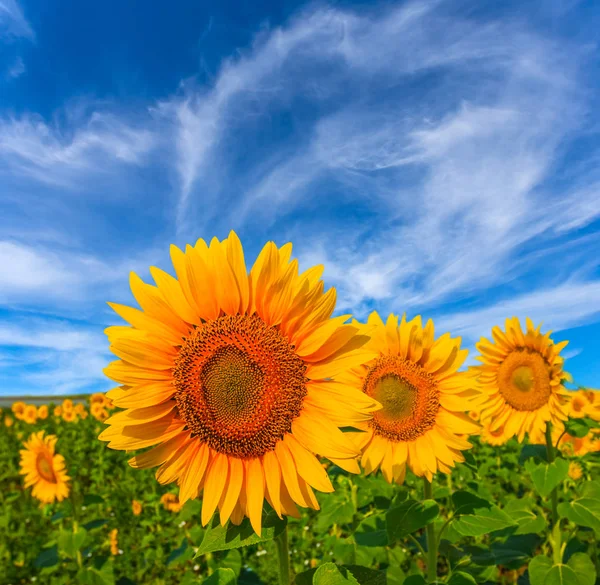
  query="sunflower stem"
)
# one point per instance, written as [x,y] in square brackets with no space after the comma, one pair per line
[431,539]
[555,527]
[281,542]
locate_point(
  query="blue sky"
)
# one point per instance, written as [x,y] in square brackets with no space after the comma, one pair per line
[438,157]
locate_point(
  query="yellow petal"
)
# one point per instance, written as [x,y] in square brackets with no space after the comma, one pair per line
[308,465]
[232,492]
[216,476]
[255,492]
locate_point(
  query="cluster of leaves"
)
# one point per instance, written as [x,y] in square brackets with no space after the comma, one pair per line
[491,519]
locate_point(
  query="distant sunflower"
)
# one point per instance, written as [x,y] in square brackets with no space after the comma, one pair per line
[42,412]
[18,409]
[30,414]
[423,396]
[494,438]
[170,502]
[98,411]
[114,541]
[136,507]
[521,380]
[67,404]
[97,397]
[579,446]
[226,372]
[69,416]
[579,404]
[8,421]
[575,471]
[57,410]
[43,469]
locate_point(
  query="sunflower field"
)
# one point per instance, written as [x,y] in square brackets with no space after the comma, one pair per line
[268,442]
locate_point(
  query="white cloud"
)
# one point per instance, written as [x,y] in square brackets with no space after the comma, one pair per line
[13,22]
[16,69]
[563,307]
[58,156]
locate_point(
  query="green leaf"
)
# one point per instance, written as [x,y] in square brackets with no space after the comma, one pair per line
[337,508]
[219,537]
[47,558]
[90,499]
[516,551]
[232,560]
[546,476]
[584,568]
[522,513]
[475,516]
[460,578]
[533,452]
[97,523]
[585,510]
[561,575]
[366,576]
[372,531]
[177,552]
[70,542]
[415,580]
[538,569]
[332,574]
[577,427]
[409,517]
[221,577]
[97,575]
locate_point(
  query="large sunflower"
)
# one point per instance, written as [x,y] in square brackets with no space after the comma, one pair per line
[521,380]
[43,469]
[423,396]
[225,374]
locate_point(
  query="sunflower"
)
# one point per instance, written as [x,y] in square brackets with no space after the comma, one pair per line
[67,404]
[170,502]
[57,411]
[136,508]
[579,404]
[575,471]
[8,421]
[424,399]
[494,438]
[98,411]
[69,416]
[30,414]
[521,380]
[43,469]
[579,446]
[97,397]
[227,373]
[18,409]
[114,541]
[42,412]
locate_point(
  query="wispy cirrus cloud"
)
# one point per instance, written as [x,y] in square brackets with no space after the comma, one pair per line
[13,23]
[62,153]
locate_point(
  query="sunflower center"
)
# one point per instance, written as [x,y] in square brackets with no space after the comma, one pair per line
[408,395]
[524,380]
[44,467]
[240,385]
[397,396]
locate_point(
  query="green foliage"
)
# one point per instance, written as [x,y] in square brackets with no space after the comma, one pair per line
[579,570]
[584,510]
[494,512]
[410,516]
[219,537]
[546,476]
